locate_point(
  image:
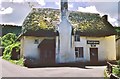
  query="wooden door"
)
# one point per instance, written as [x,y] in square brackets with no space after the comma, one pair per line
[47,52]
[93,55]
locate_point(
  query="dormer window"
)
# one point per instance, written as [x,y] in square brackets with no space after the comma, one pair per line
[77,38]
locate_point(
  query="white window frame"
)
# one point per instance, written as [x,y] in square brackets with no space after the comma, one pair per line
[76,38]
[78,52]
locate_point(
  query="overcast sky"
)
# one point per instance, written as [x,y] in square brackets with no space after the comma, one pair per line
[15,11]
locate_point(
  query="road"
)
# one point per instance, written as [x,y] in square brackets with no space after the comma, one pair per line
[12,70]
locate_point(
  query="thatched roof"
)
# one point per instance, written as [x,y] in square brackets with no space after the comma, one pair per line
[85,24]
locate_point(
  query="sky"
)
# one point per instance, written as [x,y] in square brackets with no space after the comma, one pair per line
[15,11]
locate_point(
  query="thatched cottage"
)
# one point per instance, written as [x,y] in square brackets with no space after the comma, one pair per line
[77,37]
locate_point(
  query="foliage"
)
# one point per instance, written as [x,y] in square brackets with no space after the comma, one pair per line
[18,62]
[105,74]
[11,29]
[0,41]
[116,70]
[117,29]
[9,42]
[118,62]
[8,50]
[8,39]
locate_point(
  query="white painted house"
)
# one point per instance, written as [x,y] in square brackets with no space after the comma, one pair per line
[76,37]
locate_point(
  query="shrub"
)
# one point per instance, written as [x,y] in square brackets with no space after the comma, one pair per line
[8,50]
[8,39]
[18,62]
[116,70]
[118,62]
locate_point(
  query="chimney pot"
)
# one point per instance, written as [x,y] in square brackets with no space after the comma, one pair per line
[105,17]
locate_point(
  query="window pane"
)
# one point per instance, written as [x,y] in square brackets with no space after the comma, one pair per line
[79,52]
[77,37]
[76,48]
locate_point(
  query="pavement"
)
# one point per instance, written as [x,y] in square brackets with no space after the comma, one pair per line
[12,70]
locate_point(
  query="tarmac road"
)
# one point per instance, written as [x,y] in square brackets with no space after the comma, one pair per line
[12,70]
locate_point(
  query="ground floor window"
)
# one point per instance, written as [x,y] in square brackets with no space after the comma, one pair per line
[79,52]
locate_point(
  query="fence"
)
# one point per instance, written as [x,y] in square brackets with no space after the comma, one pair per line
[110,69]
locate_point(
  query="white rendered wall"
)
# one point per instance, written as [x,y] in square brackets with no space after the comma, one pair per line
[111,48]
[106,48]
[29,49]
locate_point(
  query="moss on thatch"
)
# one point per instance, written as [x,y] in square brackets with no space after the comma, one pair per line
[89,23]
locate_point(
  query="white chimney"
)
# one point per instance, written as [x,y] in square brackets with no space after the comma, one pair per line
[64,9]
[65,35]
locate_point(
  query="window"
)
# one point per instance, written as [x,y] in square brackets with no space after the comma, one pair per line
[36,41]
[79,52]
[77,37]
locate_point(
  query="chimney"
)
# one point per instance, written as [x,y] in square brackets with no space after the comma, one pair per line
[64,9]
[105,17]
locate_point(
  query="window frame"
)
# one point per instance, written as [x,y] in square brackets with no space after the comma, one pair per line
[77,38]
[79,52]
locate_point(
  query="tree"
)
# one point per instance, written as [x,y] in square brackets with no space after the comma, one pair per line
[8,39]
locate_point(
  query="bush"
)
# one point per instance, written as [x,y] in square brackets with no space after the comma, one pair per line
[9,42]
[118,62]
[116,70]
[18,62]
[8,39]
[8,50]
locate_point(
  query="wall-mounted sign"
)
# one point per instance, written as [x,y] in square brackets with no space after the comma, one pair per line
[93,42]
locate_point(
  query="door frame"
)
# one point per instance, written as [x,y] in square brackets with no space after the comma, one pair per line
[91,60]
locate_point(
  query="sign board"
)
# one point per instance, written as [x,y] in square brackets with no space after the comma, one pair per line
[93,42]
